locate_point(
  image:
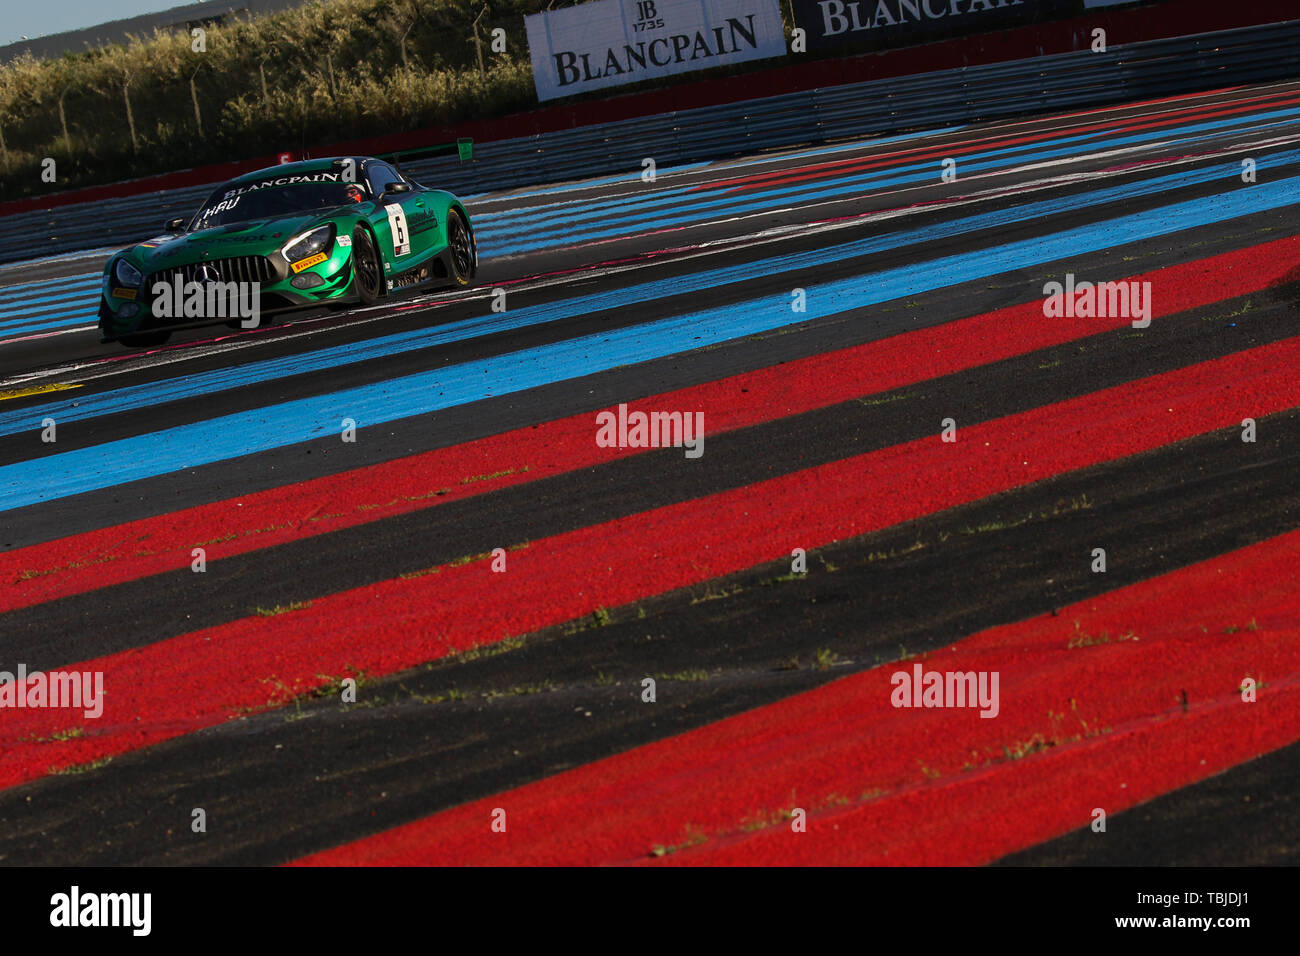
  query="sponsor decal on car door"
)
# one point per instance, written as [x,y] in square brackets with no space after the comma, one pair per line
[397,223]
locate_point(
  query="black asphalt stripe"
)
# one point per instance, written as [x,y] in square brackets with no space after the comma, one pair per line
[301,462]
[141,612]
[160,606]
[1248,815]
[350,771]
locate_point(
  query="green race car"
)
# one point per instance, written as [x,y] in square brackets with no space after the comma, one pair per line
[323,231]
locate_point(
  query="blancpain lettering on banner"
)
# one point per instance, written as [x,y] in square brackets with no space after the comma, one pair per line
[78,690]
[75,908]
[613,42]
[882,24]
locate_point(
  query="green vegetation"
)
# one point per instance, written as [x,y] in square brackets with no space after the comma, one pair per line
[1082,638]
[281,609]
[825,658]
[519,690]
[330,71]
[896,397]
[481,652]
[59,736]
[333,686]
[717,595]
[1035,744]
[692,674]
[600,617]
[496,474]
[80,767]
[694,837]
[1062,507]
[322,73]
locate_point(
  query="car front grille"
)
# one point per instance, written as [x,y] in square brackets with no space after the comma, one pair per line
[234,269]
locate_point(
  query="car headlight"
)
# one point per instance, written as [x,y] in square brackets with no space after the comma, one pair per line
[308,244]
[127,274]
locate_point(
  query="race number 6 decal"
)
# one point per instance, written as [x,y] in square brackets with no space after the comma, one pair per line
[397,222]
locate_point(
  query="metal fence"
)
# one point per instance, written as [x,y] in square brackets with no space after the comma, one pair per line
[1041,84]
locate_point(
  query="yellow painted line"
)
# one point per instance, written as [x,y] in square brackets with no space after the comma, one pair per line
[34,390]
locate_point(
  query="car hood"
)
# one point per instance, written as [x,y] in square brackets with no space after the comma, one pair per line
[258,237]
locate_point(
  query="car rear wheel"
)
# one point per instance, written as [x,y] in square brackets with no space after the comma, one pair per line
[367,271]
[461,247]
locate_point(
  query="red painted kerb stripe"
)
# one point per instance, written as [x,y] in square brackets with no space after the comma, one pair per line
[226,528]
[1154,703]
[178,685]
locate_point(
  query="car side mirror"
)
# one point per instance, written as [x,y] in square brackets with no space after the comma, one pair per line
[397,188]
[174,225]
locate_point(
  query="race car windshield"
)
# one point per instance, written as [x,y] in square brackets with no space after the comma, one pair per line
[270,200]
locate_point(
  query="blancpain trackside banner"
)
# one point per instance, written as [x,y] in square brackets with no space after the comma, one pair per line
[613,42]
[844,26]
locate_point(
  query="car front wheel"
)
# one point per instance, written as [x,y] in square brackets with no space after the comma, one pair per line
[461,247]
[367,271]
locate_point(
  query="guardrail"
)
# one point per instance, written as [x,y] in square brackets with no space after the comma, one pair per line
[1150,68]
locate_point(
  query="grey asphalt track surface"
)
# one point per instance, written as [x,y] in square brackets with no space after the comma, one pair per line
[309,775]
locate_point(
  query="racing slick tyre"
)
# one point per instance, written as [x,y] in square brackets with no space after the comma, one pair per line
[367,271]
[462,249]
